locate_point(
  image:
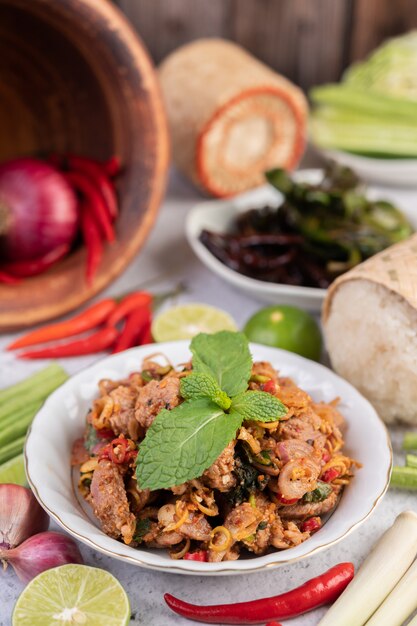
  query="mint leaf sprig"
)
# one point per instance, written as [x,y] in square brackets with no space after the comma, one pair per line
[183,442]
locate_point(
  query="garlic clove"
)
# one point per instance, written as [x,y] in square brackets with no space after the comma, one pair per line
[21,515]
[41,552]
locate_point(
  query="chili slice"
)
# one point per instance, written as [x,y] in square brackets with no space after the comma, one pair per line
[86,320]
[200,555]
[96,342]
[320,590]
[330,475]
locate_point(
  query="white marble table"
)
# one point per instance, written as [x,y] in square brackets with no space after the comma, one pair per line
[167,248]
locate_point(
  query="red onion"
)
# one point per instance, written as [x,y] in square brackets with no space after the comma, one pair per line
[41,552]
[21,515]
[38,210]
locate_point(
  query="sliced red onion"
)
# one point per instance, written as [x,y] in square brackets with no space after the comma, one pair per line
[291,485]
[293,449]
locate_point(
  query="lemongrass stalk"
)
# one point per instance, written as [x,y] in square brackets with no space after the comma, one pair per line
[12,449]
[53,371]
[401,602]
[39,392]
[404,478]
[390,558]
[411,460]
[410,441]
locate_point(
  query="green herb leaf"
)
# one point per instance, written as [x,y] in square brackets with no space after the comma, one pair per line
[320,493]
[183,442]
[143,526]
[226,357]
[259,406]
[202,385]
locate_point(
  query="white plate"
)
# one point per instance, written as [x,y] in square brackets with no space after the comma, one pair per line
[219,216]
[62,418]
[395,172]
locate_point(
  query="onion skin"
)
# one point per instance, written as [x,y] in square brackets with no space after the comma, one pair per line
[21,515]
[41,552]
[38,210]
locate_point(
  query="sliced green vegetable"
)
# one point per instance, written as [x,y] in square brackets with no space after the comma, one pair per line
[320,493]
[19,426]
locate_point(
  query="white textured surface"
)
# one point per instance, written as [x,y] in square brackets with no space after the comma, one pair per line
[167,248]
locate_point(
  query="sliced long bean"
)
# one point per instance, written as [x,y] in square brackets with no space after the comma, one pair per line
[12,449]
[52,372]
[410,441]
[39,392]
[404,477]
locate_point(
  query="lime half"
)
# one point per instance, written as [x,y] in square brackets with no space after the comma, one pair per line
[13,471]
[187,320]
[73,595]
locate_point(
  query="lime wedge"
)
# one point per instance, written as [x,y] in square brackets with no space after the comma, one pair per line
[13,471]
[75,595]
[187,320]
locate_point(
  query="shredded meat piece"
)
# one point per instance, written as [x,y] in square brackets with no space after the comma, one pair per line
[109,500]
[122,419]
[301,511]
[79,454]
[154,397]
[292,396]
[220,475]
[242,521]
[260,540]
[299,428]
[138,498]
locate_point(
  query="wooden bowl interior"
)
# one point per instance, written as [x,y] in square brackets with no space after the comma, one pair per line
[74,78]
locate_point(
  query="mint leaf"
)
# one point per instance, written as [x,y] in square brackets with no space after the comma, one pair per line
[201,385]
[259,406]
[183,442]
[225,356]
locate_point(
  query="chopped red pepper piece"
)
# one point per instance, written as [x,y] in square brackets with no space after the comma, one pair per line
[118,451]
[286,501]
[330,475]
[311,525]
[200,555]
[269,387]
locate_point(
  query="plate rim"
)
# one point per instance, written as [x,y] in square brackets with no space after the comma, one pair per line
[187,567]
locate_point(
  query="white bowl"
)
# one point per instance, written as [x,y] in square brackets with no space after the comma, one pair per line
[62,418]
[219,216]
[394,172]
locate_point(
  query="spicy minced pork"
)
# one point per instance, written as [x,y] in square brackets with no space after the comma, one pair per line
[268,489]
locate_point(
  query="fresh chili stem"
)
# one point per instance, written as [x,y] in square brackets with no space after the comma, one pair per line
[95,172]
[136,323]
[323,589]
[94,203]
[86,320]
[92,239]
[8,279]
[24,269]
[131,302]
[96,342]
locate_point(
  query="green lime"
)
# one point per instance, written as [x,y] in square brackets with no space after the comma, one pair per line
[13,471]
[187,320]
[73,594]
[286,327]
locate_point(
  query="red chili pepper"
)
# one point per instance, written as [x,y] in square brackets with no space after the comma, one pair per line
[269,386]
[8,279]
[273,624]
[95,173]
[131,302]
[24,269]
[330,475]
[147,335]
[96,342]
[105,433]
[136,323]
[118,451]
[200,555]
[286,501]
[92,240]
[323,589]
[112,166]
[86,320]
[94,202]
[311,525]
